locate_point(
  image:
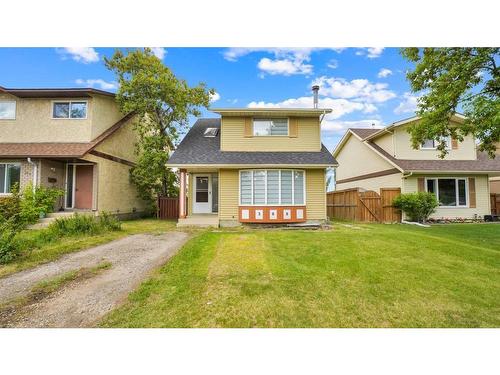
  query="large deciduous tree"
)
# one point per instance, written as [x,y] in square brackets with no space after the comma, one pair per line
[451,78]
[162,104]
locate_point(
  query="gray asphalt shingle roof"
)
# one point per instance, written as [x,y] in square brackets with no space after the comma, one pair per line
[197,149]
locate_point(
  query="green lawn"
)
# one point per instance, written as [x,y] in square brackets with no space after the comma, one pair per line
[40,252]
[375,276]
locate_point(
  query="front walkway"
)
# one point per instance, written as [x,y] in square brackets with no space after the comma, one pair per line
[81,304]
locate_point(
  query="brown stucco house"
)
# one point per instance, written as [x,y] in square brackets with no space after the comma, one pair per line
[73,139]
[253,165]
[373,159]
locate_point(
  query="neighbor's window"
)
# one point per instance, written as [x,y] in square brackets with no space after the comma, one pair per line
[266,127]
[450,192]
[272,187]
[77,110]
[431,144]
[10,174]
[7,110]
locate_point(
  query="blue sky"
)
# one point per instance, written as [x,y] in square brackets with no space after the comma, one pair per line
[362,85]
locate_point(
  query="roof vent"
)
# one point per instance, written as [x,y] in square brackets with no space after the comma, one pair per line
[211,132]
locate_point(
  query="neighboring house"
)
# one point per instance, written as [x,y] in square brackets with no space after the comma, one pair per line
[72,139]
[254,165]
[372,159]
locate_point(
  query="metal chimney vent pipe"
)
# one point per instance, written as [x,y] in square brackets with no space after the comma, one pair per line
[315,90]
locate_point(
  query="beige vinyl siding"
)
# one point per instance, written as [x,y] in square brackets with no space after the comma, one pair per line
[386,141]
[410,185]
[466,150]
[316,194]
[34,123]
[233,137]
[228,194]
[356,159]
[375,183]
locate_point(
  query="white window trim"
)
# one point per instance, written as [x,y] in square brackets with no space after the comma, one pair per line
[435,147]
[15,109]
[456,190]
[69,101]
[271,118]
[4,194]
[279,190]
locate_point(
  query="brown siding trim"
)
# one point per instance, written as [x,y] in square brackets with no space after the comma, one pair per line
[472,192]
[248,131]
[454,144]
[370,175]
[112,158]
[421,184]
[293,127]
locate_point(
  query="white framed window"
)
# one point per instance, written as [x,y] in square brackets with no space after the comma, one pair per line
[449,191]
[272,187]
[431,144]
[7,109]
[10,174]
[270,127]
[69,110]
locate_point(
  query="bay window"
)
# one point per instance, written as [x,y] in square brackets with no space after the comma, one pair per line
[450,192]
[10,174]
[270,127]
[272,187]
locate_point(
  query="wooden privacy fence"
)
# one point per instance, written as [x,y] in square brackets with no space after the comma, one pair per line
[358,205]
[168,208]
[495,204]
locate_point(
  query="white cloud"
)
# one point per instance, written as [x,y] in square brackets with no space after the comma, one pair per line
[85,55]
[339,127]
[99,83]
[286,61]
[356,89]
[384,72]
[214,97]
[284,66]
[159,52]
[409,104]
[371,52]
[333,64]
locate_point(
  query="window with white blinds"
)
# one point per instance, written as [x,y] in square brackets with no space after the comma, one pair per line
[272,187]
[269,127]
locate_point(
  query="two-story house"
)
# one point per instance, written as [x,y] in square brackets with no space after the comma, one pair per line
[372,159]
[253,165]
[72,139]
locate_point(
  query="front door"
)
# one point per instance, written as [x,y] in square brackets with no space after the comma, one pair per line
[202,203]
[83,186]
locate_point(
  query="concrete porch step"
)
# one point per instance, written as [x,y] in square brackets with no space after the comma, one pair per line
[207,220]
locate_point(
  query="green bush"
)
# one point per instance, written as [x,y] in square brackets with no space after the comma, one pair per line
[9,248]
[38,201]
[418,206]
[83,224]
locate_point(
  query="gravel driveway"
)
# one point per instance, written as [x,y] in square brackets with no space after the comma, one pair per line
[81,304]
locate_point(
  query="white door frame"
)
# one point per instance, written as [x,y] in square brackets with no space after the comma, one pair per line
[202,207]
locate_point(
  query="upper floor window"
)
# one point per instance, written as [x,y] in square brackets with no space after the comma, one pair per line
[267,127]
[431,144]
[10,174]
[7,110]
[75,110]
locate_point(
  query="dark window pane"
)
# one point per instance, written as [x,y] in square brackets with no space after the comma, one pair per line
[462,200]
[61,110]
[202,196]
[13,176]
[447,192]
[202,183]
[431,186]
[69,187]
[78,110]
[3,170]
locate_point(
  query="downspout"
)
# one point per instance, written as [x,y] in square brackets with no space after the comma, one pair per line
[35,173]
